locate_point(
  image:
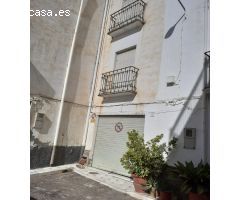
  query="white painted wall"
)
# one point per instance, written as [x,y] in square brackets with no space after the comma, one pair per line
[171,121]
[167,110]
[183,51]
[183,57]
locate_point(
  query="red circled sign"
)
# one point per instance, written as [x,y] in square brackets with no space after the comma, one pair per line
[118,127]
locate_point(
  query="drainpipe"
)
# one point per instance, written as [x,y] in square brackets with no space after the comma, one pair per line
[95,72]
[65,85]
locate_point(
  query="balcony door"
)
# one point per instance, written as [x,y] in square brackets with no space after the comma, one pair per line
[127,2]
[125,58]
[125,78]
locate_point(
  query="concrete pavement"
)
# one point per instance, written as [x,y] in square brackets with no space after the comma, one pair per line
[76,184]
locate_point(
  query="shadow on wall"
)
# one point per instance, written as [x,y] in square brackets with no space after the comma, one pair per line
[184,109]
[38,84]
[117,99]
[69,154]
[198,112]
[182,154]
[171,29]
[193,121]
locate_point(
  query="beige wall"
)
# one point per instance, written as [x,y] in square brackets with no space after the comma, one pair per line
[72,125]
[149,43]
[81,74]
[85,52]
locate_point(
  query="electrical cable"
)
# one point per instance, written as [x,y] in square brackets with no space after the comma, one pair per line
[167,102]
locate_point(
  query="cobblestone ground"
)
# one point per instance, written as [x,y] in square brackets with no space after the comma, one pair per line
[71,186]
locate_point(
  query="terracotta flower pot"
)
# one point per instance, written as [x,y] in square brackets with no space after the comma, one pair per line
[165,195]
[195,196]
[139,183]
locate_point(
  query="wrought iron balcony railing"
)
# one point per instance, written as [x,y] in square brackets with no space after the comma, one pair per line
[128,14]
[120,81]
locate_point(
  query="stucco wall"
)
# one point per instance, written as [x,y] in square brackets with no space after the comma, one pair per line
[51,40]
[164,51]
[183,57]
[85,52]
[148,51]
[167,45]
[184,48]
[41,138]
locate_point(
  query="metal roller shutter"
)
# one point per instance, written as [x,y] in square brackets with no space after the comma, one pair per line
[110,145]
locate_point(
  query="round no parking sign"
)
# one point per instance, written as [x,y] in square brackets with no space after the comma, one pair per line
[118,127]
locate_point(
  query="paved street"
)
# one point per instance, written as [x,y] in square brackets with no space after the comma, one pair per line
[71,186]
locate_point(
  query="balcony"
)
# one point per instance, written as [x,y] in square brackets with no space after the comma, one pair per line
[119,82]
[127,20]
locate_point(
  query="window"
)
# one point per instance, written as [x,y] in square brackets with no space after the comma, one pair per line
[125,58]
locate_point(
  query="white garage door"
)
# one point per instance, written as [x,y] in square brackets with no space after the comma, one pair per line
[111,140]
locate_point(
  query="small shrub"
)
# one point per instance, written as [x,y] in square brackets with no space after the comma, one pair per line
[193,179]
[146,159]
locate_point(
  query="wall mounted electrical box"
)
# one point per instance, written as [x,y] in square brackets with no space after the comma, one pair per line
[39,121]
[190,138]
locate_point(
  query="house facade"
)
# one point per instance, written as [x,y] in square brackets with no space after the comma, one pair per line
[143,65]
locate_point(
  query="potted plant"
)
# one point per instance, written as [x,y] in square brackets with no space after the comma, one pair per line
[195,181]
[157,165]
[145,160]
[164,186]
[160,186]
[134,160]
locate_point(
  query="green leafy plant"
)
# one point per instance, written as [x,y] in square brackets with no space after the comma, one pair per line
[134,160]
[157,155]
[159,181]
[164,178]
[151,186]
[193,179]
[146,160]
